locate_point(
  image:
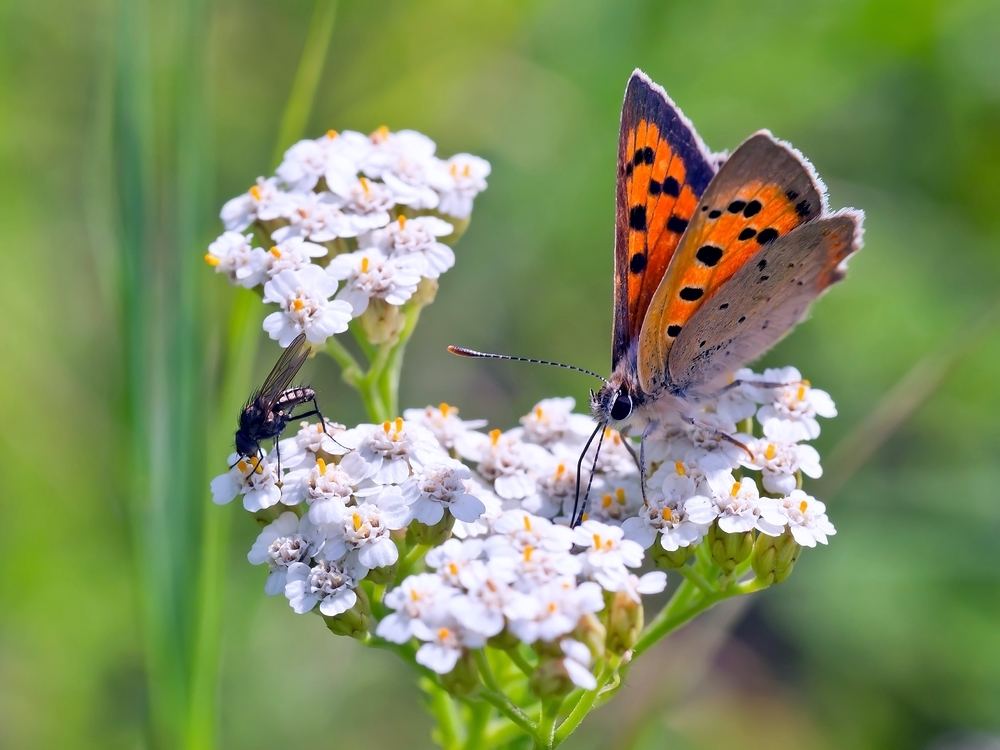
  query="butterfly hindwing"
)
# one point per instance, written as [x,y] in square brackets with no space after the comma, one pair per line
[762,192]
[762,301]
[663,169]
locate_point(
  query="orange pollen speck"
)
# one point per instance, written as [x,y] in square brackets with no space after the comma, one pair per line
[255,193]
[597,541]
[679,467]
[584,517]
[560,470]
[803,505]
[387,425]
[414,595]
[607,432]
[241,465]
[357,521]
[331,134]
[399,424]
[606,501]
[735,490]
[321,465]
[212,260]
[258,468]
[298,304]
[381,134]
[402,221]
[467,170]
[495,436]
[491,586]
[527,553]
[444,409]
[538,412]
[364,186]
[454,170]
[527,522]
[552,607]
[769,453]
[364,265]
[443,633]
[802,393]
[616,438]
[620,494]
[302,212]
[453,569]
[275,251]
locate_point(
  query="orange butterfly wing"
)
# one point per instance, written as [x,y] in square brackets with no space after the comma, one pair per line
[762,192]
[663,169]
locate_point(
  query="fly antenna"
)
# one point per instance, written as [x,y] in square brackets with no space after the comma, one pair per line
[461,351]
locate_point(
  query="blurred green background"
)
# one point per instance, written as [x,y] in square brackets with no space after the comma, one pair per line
[123,128]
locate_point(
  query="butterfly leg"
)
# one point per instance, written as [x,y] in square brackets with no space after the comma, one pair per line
[575,519]
[719,434]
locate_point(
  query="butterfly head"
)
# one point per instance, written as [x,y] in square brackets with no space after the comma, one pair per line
[615,403]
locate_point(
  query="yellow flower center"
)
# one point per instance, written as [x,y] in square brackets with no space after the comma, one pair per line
[736,489]
[606,501]
[298,304]
[679,468]
[331,134]
[381,134]
[402,221]
[445,409]
[321,465]
[495,436]
[275,251]
[356,517]
[255,193]
[212,260]
[770,452]
[364,265]
[365,187]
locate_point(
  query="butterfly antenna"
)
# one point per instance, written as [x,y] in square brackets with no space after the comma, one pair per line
[461,351]
[579,466]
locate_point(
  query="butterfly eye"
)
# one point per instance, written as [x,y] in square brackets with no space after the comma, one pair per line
[622,407]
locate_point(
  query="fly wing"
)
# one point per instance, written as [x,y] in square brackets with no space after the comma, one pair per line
[283,372]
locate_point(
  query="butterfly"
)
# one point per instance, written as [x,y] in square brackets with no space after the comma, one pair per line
[716,259]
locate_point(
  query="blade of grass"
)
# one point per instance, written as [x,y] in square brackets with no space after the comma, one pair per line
[303,94]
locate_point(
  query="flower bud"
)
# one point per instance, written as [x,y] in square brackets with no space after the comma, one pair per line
[434,535]
[426,292]
[464,678]
[665,559]
[625,621]
[382,322]
[355,621]
[591,632]
[775,556]
[383,576]
[550,679]
[729,550]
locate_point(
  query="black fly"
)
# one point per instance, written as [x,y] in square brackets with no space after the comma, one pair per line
[268,410]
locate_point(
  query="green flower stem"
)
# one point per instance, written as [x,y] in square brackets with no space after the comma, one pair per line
[512,712]
[443,708]
[478,722]
[692,575]
[584,704]
[496,697]
[350,370]
[523,664]
[547,721]
[411,559]
[501,733]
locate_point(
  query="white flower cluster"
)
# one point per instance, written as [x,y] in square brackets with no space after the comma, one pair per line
[513,566]
[372,205]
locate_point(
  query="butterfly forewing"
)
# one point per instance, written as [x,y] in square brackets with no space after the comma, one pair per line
[663,168]
[761,302]
[762,192]
[284,370]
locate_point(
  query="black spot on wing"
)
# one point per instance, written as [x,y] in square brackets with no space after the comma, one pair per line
[673,331]
[637,218]
[762,264]
[803,209]
[638,263]
[736,206]
[691,293]
[715,214]
[654,187]
[752,208]
[746,234]
[677,225]
[709,255]
[767,235]
[671,187]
